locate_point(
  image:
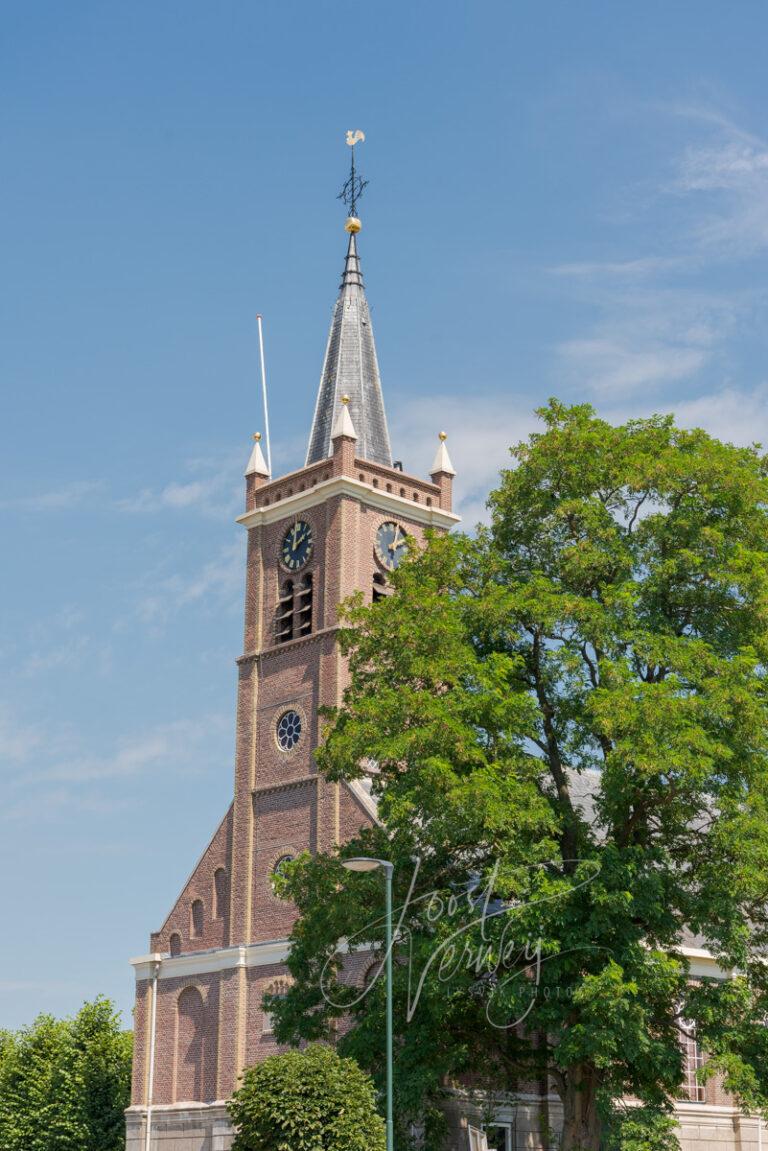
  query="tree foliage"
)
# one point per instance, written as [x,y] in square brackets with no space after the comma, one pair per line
[311,1100]
[64,1084]
[565,716]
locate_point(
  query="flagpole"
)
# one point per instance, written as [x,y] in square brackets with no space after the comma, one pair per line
[264,393]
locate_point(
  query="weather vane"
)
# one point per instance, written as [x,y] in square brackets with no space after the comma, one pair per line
[353,189]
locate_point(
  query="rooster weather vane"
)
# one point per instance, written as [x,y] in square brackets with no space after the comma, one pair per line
[353,188]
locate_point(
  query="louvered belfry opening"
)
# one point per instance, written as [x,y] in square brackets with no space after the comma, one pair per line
[293,618]
[284,619]
[304,606]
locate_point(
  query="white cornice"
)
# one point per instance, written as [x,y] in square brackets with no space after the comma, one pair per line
[346,486]
[366,801]
[702,963]
[206,962]
[276,951]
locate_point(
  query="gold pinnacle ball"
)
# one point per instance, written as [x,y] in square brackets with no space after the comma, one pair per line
[442,436]
[345,399]
[257,436]
[352,225]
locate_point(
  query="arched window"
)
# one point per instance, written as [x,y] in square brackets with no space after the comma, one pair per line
[190,1036]
[220,887]
[174,943]
[379,587]
[279,866]
[196,916]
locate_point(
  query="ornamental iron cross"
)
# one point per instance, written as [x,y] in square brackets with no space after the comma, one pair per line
[353,188]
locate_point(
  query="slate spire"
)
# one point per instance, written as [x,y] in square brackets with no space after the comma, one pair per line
[350,368]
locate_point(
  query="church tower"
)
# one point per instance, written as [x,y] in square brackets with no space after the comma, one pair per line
[339,524]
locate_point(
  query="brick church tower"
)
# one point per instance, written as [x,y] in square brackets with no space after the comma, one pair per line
[335,526]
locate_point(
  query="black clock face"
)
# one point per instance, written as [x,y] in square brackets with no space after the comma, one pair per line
[297,545]
[391,545]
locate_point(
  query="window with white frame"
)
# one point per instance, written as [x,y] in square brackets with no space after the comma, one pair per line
[500,1136]
[693,1061]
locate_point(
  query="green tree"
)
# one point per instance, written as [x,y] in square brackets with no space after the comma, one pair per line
[104,1056]
[64,1084]
[306,1101]
[567,716]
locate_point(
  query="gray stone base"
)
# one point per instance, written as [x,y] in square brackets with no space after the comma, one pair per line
[708,1128]
[703,1127]
[183,1127]
[206,1126]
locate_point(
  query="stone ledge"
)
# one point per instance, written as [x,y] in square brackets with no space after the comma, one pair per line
[180,1127]
[286,785]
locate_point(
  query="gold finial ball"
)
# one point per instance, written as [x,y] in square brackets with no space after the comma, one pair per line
[257,436]
[345,399]
[442,436]
[352,225]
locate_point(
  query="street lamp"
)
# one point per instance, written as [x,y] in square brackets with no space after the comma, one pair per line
[362,863]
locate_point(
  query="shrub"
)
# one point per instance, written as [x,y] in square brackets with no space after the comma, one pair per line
[310,1100]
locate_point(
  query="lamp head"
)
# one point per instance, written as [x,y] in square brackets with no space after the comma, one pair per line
[363,863]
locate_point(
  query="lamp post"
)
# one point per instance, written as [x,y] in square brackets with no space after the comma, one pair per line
[365,864]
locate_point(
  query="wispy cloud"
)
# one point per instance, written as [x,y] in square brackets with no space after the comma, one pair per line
[631,269]
[52,775]
[647,337]
[13,986]
[480,430]
[165,747]
[62,642]
[728,176]
[60,498]
[17,740]
[212,486]
[614,363]
[658,323]
[54,804]
[736,415]
[218,584]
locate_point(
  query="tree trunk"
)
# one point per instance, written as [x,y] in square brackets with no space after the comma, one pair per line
[582,1127]
[545,1122]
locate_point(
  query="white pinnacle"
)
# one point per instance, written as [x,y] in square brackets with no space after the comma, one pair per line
[257,465]
[442,460]
[342,425]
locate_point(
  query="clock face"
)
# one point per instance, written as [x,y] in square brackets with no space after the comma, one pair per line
[391,545]
[297,545]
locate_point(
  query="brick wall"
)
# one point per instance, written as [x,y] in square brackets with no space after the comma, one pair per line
[211,1025]
[201,886]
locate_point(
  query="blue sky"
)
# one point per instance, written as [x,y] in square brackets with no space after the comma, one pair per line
[565,199]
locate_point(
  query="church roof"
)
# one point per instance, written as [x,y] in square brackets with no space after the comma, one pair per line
[351,368]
